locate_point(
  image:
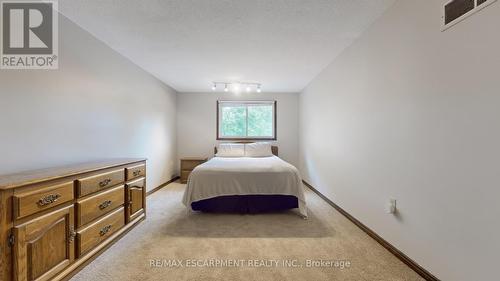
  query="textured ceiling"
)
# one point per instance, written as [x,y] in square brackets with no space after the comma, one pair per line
[282,44]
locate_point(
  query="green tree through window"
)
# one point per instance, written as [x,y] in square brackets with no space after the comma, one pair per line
[234,121]
[246,120]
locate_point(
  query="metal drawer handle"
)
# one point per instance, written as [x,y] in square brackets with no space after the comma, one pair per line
[105,230]
[72,234]
[49,199]
[104,182]
[105,204]
[136,173]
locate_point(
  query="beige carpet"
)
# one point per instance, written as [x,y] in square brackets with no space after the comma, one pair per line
[254,247]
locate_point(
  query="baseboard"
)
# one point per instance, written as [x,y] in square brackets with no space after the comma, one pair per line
[400,255]
[162,186]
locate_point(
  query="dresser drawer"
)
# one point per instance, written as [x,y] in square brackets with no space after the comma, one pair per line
[99,182]
[185,175]
[135,171]
[92,235]
[31,202]
[93,207]
[190,164]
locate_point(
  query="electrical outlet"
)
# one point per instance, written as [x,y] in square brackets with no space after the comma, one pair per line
[390,207]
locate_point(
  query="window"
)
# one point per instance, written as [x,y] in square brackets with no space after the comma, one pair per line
[457,10]
[246,120]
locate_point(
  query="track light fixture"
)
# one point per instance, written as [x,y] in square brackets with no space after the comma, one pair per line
[237,86]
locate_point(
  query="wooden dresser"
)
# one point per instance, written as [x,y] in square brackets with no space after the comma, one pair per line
[54,221]
[188,164]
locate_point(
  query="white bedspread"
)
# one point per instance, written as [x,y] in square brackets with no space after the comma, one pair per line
[222,176]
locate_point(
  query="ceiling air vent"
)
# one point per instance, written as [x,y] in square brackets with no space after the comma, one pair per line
[457,10]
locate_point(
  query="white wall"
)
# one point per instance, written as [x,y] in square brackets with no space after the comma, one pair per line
[413,113]
[196,122]
[97,105]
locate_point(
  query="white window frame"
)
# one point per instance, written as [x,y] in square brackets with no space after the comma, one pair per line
[476,9]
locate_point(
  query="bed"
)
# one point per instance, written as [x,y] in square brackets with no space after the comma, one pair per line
[245,185]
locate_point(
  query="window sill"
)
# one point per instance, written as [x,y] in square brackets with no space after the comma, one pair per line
[246,139]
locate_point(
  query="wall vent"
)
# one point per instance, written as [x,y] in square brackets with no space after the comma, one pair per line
[457,10]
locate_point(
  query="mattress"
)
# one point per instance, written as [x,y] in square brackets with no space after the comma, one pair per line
[224,176]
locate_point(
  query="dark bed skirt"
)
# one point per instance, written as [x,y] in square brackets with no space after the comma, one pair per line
[246,204]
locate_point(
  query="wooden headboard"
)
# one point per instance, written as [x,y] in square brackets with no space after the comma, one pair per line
[274,150]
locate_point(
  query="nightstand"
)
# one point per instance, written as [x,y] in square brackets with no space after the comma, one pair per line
[188,164]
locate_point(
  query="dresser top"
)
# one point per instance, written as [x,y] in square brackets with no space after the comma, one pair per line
[37,176]
[194,158]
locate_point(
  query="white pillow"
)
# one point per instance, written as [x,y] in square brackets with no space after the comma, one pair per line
[230,150]
[258,149]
